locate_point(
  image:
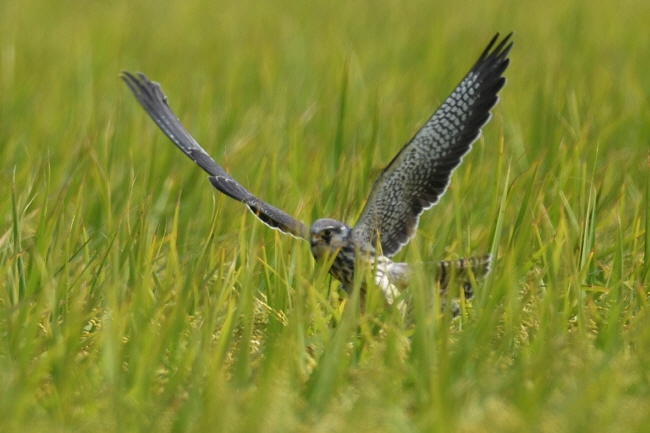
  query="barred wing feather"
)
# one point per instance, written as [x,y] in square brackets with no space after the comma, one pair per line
[419,174]
[154,102]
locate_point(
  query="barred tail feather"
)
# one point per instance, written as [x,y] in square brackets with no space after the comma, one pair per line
[464,272]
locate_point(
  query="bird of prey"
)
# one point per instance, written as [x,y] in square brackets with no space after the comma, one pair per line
[412,182]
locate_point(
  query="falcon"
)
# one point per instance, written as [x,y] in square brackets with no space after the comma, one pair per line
[412,182]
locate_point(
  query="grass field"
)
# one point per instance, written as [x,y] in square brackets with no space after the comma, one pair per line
[135,297]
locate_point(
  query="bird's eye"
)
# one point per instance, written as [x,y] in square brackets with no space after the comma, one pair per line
[327,233]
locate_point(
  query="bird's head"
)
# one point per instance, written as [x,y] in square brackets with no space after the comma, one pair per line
[327,236]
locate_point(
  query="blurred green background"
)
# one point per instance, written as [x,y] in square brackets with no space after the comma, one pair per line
[134,297]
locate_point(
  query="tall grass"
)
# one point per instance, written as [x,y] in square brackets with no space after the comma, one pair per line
[134,297]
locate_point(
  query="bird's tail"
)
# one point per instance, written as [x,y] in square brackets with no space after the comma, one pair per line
[463,272]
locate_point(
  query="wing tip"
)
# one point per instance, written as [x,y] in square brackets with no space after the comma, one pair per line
[497,55]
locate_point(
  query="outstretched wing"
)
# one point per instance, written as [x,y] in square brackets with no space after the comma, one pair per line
[154,102]
[419,174]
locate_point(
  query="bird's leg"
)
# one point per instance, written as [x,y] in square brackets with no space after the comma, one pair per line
[389,290]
